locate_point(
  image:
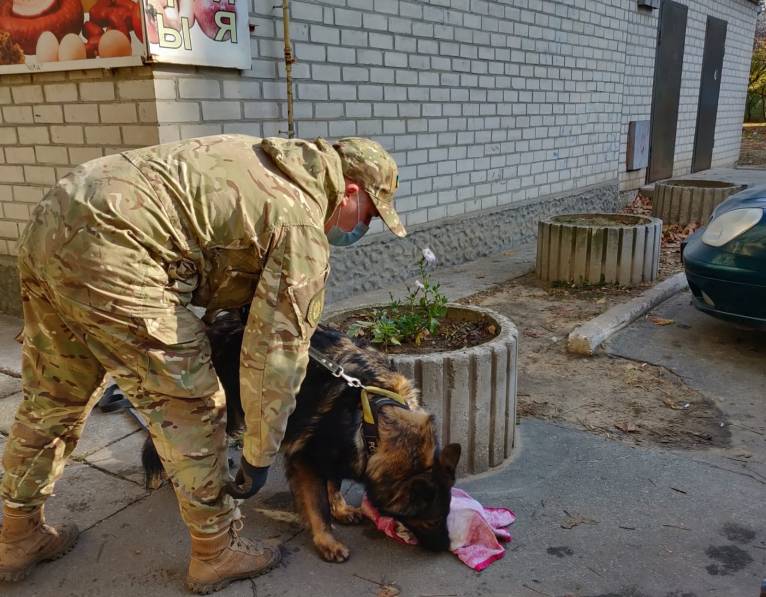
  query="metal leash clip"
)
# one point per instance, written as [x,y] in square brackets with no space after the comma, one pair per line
[334,368]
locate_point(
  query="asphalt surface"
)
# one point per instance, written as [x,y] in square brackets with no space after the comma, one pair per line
[725,362]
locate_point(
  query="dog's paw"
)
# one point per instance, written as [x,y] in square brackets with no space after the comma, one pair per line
[348,515]
[331,549]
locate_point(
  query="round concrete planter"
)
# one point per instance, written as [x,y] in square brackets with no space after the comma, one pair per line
[472,392]
[688,201]
[598,249]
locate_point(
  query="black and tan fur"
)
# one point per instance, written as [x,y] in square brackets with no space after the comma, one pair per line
[409,477]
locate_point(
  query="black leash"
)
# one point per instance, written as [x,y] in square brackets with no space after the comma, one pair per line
[113,400]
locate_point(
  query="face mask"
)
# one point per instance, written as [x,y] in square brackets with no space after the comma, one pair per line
[340,238]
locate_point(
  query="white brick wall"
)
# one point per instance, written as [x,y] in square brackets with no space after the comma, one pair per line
[491,103]
[52,122]
[483,103]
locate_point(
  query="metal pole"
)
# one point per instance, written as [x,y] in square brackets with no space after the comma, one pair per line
[289,59]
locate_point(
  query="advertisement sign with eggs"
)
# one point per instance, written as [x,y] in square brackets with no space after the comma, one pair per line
[48,35]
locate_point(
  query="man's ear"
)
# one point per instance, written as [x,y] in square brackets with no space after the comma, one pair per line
[351,190]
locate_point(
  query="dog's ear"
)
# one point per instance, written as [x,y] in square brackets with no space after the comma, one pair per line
[449,458]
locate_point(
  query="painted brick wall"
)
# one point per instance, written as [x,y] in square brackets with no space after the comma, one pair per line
[52,122]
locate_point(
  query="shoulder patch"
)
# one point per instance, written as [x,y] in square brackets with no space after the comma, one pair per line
[315,308]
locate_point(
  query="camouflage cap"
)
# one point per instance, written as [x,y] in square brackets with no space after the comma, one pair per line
[364,161]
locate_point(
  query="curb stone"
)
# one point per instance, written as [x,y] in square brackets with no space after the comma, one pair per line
[586,338]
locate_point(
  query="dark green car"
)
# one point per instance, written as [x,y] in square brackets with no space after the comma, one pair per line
[725,261]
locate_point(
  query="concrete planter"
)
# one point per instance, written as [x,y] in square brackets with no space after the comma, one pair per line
[471,392]
[687,201]
[598,249]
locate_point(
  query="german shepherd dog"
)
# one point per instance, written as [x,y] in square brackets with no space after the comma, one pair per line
[408,476]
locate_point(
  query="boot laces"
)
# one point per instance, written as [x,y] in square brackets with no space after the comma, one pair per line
[242,543]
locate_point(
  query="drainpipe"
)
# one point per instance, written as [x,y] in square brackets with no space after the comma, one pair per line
[289,59]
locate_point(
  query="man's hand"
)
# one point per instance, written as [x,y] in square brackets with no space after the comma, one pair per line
[248,482]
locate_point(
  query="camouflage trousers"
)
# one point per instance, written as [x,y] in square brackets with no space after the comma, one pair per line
[162,363]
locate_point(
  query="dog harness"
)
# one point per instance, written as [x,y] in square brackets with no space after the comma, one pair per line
[372,399]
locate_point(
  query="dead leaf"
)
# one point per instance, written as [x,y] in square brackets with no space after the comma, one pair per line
[388,591]
[601,301]
[661,320]
[632,376]
[572,520]
[627,427]
[492,328]
[670,404]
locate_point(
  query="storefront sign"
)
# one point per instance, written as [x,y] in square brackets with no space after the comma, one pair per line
[200,32]
[47,35]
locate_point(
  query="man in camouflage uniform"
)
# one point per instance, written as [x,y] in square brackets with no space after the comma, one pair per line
[114,254]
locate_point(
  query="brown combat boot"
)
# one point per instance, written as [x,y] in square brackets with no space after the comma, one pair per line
[25,540]
[219,559]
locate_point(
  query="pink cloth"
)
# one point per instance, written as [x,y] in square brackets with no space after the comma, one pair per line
[475,532]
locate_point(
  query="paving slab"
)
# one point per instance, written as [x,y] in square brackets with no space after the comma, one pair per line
[8,406]
[643,523]
[87,496]
[10,350]
[101,429]
[9,385]
[121,458]
[141,550]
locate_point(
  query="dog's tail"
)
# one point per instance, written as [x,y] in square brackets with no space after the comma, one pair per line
[154,473]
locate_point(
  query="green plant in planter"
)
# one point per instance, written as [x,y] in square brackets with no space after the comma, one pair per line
[410,319]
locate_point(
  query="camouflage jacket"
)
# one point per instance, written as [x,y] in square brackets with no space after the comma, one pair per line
[234,220]
[248,216]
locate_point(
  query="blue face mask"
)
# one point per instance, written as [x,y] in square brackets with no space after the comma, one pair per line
[341,238]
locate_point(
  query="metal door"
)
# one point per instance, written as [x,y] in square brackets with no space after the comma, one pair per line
[668,67]
[710,86]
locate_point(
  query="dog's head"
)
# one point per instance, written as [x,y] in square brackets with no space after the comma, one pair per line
[409,477]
